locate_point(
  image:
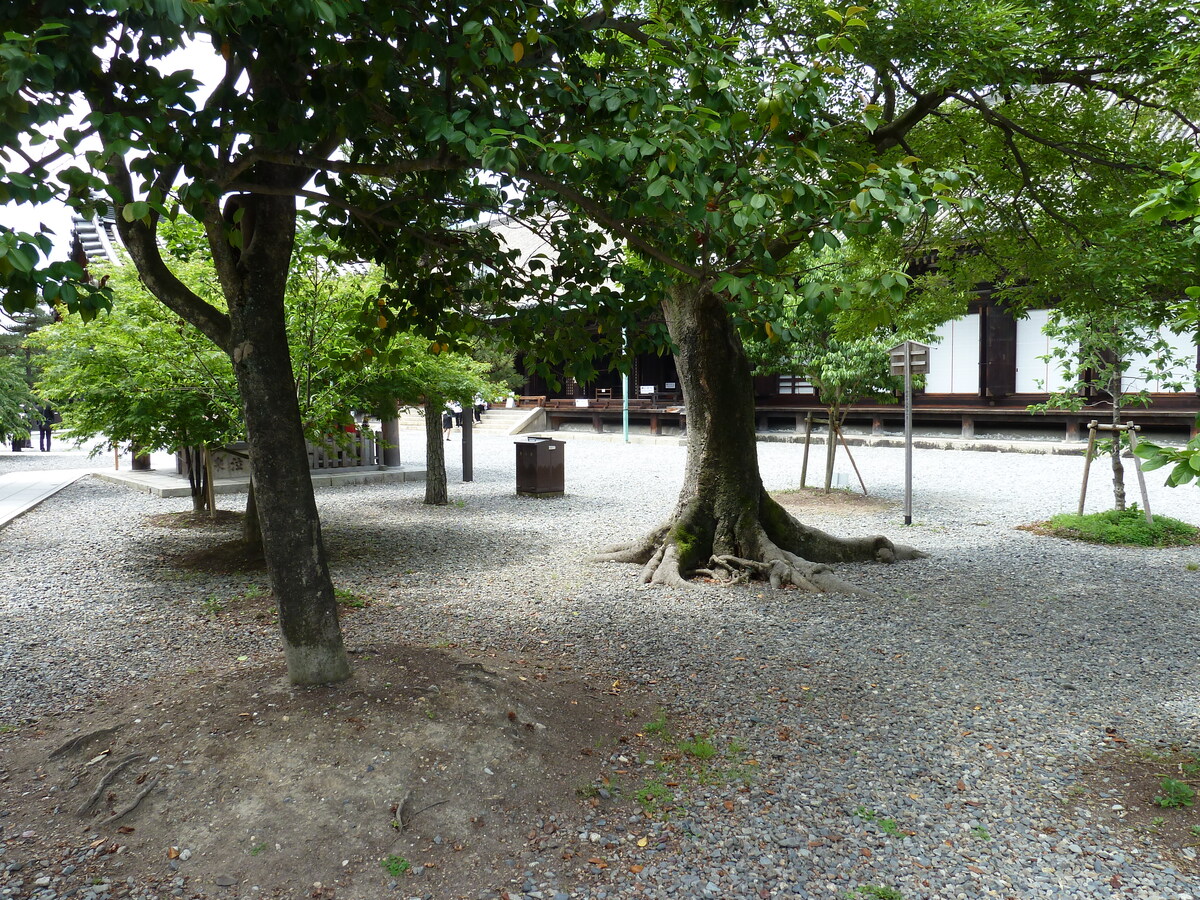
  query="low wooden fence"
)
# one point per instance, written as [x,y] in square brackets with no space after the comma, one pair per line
[360,452]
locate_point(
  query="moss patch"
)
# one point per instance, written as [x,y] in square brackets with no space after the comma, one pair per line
[1121,528]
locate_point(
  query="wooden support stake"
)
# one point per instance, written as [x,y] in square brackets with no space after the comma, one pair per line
[210,489]
[1137,467]
[808,423]
[846,447]
[1087,462]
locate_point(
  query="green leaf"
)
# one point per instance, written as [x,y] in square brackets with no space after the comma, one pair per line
[658,186]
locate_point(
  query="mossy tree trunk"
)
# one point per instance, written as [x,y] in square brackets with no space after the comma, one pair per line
[724,522]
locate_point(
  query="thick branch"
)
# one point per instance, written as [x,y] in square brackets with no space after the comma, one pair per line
[140,240]
[893,133]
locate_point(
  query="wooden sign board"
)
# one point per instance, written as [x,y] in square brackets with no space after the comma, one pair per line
[918,358]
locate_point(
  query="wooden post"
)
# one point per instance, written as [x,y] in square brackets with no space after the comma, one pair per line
[846,447]
[1137,467]
[210,492]
[808,422]
[1087,462]
[468,445]
[908,425]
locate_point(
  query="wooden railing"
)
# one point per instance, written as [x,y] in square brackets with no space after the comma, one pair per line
[361,452]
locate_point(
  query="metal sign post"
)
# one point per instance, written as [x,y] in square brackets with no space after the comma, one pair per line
[908,359]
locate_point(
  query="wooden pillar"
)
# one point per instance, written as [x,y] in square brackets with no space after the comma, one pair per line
[597,423]
[390,436]
[1072,430]
[968,427]
[876,424]
[468,444]
[654,428]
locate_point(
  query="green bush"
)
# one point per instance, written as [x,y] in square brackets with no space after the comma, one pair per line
[1123,527]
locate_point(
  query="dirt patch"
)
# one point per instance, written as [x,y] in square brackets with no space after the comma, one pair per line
[196,519]
[228,558]
[1124,787]
[836,502]
[434,772]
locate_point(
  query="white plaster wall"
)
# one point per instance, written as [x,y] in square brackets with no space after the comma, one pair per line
[954,358]
[1184,371]
[1034,375]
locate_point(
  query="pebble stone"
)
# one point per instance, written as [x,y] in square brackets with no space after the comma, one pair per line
[957,701]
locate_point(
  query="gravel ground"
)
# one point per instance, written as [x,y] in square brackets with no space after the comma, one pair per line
[959,703]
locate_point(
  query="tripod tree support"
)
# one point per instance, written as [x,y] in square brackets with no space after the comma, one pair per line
[1130,429]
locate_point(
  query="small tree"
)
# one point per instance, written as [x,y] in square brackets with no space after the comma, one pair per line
[139,375]
[1095,351]
[840,370]
[408,369]
[843,351]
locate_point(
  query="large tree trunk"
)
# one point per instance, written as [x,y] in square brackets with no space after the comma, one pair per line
[287,509]
[436,492]
[724,523]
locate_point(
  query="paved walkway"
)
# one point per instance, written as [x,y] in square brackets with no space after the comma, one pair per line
[22,491]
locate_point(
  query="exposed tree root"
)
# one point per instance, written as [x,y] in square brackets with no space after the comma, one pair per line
[131,805]
[105,781]
[639,552]
[76,742]
[768,545]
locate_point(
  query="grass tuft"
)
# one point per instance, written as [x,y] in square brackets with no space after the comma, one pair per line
[1121,527]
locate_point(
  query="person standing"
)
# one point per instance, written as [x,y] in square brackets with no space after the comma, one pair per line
[447,421]
[44,433]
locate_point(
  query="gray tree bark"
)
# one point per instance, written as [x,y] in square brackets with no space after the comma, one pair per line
[287,511]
